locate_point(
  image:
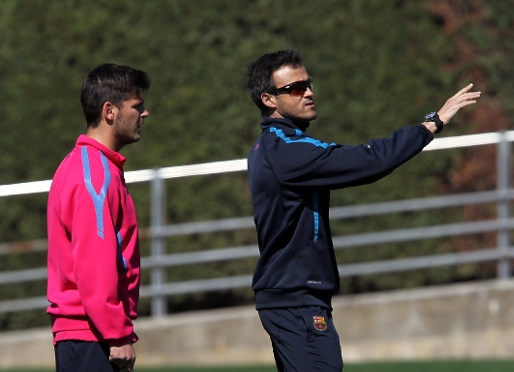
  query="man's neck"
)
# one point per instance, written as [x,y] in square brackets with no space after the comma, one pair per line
[104,136]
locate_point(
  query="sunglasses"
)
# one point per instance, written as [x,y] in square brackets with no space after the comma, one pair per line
[297,88]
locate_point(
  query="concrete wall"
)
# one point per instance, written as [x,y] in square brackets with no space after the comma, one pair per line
[459,321]
[473,320]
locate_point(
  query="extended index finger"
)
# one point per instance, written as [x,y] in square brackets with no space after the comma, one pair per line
[467,88]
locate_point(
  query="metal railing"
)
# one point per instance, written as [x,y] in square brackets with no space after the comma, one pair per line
[159,261]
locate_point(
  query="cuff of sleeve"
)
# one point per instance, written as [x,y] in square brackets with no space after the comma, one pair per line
[130,339]
[426,129]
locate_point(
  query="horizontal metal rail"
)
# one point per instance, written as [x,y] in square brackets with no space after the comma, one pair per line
[413,205]
[241,164]
[423,262]
[19,276]
[23,304]
[214,255]
[439,231]
[244,281]
[24,246]
[194,286]
[252,251]
[202,227]
[399,206]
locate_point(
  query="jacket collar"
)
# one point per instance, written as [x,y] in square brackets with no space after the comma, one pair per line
[300,124]
[113,156]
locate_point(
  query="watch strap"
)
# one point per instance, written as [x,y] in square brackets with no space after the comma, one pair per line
[434,118]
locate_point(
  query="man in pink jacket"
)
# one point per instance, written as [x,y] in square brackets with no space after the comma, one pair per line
[93,243]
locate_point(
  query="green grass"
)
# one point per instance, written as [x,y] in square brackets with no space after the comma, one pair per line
[429,366]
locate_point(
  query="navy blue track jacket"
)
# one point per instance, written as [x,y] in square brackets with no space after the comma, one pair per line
[290,176]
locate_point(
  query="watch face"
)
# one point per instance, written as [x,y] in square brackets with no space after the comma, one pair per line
[430,116]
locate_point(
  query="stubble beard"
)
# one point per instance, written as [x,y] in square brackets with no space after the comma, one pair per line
[122,134]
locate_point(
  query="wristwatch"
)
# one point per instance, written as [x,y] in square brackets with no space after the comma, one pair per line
[434,118]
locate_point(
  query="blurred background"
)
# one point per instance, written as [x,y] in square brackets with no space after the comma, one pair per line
[377,65]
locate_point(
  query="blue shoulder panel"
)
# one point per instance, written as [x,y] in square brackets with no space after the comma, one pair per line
[315,142]
[98,199]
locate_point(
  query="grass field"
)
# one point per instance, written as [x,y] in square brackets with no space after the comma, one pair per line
[443,366]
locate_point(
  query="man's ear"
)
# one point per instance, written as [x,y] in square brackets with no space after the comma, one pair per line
[269,100]
[109,111]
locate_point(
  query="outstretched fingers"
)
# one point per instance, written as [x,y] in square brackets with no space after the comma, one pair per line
[461,99]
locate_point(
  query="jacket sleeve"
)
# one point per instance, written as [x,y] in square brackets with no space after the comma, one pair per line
[95,248]
[317,164]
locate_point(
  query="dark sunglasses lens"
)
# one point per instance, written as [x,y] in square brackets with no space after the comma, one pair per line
[299,88]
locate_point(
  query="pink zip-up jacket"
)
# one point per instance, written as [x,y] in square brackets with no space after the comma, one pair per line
[93,248]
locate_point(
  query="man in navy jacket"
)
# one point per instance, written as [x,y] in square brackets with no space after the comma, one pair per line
[290,178]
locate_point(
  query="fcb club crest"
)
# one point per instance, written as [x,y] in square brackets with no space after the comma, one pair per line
[319,323]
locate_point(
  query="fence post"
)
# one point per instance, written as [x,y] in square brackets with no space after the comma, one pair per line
[503,169]
[158,245]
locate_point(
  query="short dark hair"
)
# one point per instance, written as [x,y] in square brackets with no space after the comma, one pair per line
[259,74]
[110,83]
